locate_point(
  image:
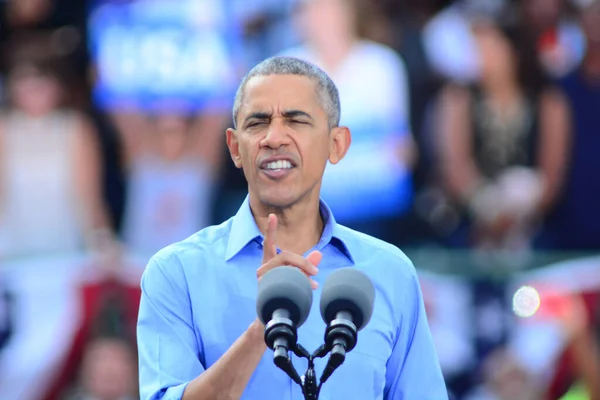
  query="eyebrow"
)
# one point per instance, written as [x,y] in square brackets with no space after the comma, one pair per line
[297,113]
[286,114]
[258,115]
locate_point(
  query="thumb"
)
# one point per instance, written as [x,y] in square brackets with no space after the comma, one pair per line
[315,257]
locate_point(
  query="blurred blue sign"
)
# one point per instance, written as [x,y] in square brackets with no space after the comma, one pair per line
[149,53]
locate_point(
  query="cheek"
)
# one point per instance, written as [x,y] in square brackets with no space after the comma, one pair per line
[248,150]
[316,157]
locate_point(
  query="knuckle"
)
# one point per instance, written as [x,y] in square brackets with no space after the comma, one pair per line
[286,254]
[285,257]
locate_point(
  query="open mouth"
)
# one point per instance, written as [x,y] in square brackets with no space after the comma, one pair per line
[277,169]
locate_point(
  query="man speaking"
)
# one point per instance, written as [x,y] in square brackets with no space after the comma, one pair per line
[198,334]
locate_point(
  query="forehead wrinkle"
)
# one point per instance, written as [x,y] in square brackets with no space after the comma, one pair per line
[258,97]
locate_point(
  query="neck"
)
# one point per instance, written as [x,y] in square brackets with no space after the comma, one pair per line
[502,93]
[299,227]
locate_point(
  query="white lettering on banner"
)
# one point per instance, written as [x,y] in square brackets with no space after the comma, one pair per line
[163,61]
[147,51]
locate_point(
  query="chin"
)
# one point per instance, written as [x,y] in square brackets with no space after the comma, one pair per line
[279,200]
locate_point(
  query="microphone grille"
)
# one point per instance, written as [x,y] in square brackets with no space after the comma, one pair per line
[348,289]
[284,287]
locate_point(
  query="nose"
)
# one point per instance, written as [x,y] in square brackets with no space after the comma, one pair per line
[276,135]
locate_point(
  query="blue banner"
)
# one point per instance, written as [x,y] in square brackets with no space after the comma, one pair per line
[153,54]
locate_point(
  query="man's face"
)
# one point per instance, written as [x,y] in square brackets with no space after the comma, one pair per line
[283,140]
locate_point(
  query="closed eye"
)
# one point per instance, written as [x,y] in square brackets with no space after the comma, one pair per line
[253,124]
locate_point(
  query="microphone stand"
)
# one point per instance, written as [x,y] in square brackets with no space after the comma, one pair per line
[308,383]
[340,337]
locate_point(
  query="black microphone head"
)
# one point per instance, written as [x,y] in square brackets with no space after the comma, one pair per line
[348,289]
[287,288]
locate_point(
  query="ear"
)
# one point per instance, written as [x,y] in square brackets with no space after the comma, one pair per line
[234,147]
[339,144]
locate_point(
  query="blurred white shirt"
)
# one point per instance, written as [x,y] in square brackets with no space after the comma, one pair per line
[39,212]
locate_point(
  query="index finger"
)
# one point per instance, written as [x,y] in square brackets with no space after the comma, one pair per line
[269,247]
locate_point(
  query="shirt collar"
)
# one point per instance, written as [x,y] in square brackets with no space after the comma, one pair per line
[244,230]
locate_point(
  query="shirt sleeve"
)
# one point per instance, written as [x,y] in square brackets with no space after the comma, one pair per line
[413,370]
[168,347]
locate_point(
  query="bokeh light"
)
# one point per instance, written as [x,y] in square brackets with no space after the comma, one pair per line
[526,301]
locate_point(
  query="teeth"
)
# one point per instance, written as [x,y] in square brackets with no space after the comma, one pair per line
[281,164]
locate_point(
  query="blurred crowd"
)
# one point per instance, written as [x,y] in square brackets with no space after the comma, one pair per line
[475,123]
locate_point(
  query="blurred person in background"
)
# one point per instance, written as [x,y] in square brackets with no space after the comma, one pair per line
[170,168]
[372,187]
[108,301]
[449,42]
[62,20]
[509,375]
[108,372]
[266,27]
[502,142]
[27,12]
[501,154]
[559,38]
[575,372]
[50,179]
[426,222]
[574,222]
[449,53]
[583,348]
[168,113]
[505,378]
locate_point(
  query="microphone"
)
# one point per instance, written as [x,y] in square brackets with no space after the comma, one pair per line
[283,304]
[346,307]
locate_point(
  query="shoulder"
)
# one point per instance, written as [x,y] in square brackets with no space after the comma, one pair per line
[391,271]
[178,257]
[457,94]
[79,127]
[381,59]
[171,272]
[551,100]
[379,255]
[380,52]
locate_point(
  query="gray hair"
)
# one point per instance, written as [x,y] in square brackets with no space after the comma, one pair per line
[282,65]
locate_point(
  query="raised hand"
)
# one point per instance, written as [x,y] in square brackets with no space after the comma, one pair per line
[272,260]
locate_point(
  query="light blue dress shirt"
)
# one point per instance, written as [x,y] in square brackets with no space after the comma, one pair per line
[199,296]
